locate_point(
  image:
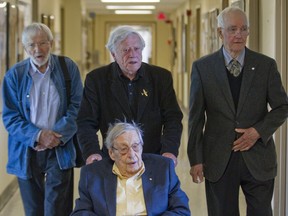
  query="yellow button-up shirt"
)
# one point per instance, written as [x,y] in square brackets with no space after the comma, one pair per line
[129,198]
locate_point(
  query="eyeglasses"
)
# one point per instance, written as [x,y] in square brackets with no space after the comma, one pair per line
[233,30]
[42,44]
[136,148]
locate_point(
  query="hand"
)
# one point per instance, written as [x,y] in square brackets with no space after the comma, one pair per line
[49,139]
[170,155]
[247,140]
[196,172]
[40,147]
[93,157]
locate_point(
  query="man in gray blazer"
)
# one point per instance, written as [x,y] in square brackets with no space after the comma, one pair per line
[230,125]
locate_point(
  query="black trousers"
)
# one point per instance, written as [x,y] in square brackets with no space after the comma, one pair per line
[223,196]
[50,190]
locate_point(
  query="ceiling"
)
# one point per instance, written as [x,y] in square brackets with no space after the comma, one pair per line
[165,6]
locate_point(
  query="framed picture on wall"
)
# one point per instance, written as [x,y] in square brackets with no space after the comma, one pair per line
[214,41]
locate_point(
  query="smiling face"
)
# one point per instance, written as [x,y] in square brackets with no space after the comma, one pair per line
[38,49]
[235,32]
[126,152]
[128,55]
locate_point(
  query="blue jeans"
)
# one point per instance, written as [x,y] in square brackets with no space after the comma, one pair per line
[50,191]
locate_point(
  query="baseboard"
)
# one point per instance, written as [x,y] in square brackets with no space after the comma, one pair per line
[8,193]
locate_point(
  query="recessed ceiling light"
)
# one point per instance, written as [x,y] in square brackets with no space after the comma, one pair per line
[129,1]
[129,7]
[133,12]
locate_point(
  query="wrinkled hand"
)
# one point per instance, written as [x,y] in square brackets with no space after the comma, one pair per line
[172,156]
[48,139]
[247,140]
[196,172]
[93,157]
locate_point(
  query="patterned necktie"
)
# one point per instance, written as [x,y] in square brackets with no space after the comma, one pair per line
[234,67]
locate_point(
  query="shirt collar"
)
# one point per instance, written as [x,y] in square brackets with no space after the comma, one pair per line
[228,58]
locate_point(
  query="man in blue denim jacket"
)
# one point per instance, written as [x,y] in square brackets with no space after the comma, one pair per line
[41,126]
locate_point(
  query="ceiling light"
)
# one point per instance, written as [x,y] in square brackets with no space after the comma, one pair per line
[139,7]
[129,1]
[133,12]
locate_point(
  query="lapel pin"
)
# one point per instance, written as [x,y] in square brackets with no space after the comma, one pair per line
[144,93]
[150,179]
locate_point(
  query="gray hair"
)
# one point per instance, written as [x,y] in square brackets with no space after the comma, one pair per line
[33,29]
[227,10]
[118,128]
[119,34]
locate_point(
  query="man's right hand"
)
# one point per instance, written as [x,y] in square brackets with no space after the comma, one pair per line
[196,172]
[93,157]
[48,139]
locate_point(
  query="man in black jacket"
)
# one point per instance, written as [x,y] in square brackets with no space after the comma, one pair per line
[130,90]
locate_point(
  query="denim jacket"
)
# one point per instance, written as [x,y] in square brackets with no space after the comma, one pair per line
[16,115]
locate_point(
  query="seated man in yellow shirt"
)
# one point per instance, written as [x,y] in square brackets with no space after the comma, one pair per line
[129,183]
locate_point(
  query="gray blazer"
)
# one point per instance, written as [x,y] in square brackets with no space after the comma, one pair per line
[213,117]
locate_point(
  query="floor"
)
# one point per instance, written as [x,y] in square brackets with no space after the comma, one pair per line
[195,192]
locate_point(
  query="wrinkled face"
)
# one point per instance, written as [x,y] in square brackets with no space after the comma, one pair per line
[38,49]
[234,34]
[126,152]
[128,55]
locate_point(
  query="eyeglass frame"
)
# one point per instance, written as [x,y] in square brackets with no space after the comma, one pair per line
[31,46]
[233,30]
[125,150]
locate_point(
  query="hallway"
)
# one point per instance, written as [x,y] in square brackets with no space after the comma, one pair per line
[195,192]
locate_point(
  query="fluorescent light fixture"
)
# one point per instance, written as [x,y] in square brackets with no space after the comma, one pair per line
[133,12]
[129,1]
[128,7]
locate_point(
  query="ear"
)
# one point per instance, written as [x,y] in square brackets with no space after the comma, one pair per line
[220,32]
[111,154]
[113,55]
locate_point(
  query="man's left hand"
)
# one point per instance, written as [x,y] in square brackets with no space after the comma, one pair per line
[247,140]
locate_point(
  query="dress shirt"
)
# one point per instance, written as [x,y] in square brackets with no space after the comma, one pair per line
[132,90]
[239,58]
[44,99]
[130,197]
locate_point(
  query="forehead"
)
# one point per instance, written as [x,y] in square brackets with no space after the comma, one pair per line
[235,18]
[132,39]
[37,35]
[127,138]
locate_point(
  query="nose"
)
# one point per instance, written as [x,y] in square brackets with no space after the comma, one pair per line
[131,51]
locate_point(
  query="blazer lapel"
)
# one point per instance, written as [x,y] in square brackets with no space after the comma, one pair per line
[144,94]
[220,73]
[147,183]
[248,74]
[110,188]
